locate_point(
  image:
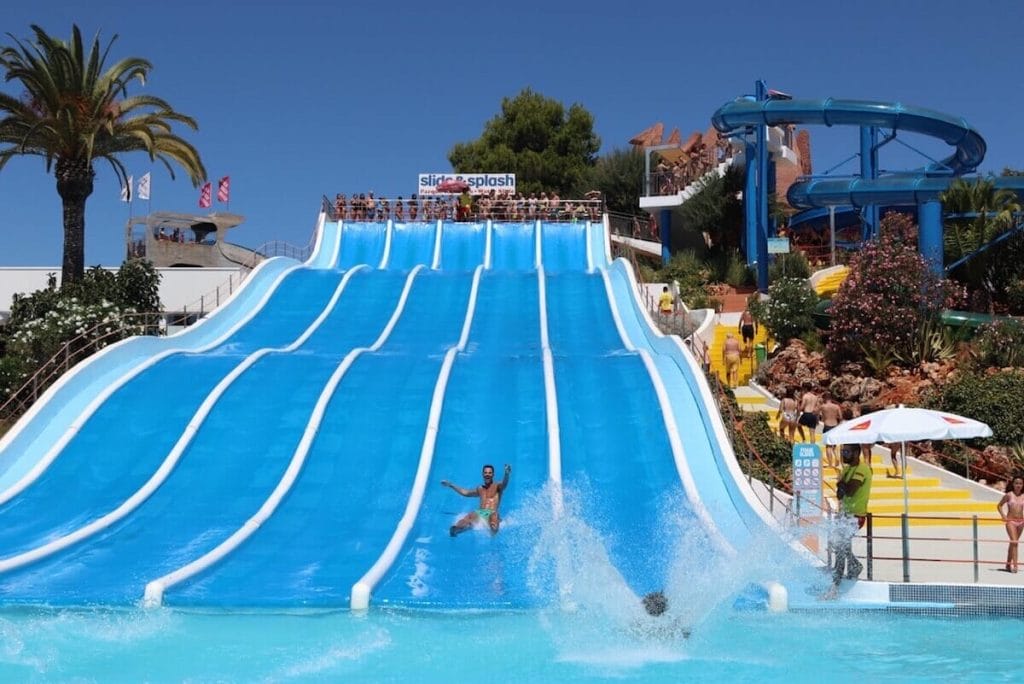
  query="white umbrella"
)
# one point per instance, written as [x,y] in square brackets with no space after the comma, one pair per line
[904,425]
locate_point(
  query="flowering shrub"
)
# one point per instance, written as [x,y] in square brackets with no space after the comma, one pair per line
[789,309]
[1000,344]
[77,320]
[889,294]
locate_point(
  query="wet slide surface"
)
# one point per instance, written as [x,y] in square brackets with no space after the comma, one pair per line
[343,508]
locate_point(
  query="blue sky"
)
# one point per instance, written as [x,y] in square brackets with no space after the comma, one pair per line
[303,99]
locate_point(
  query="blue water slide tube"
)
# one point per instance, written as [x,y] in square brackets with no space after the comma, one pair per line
[889,190]
[970,146]
[59,413]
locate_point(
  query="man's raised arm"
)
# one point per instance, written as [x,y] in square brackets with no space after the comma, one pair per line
[504,480]
[458,489]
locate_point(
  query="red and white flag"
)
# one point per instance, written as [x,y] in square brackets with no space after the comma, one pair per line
[224,189]
[205,196]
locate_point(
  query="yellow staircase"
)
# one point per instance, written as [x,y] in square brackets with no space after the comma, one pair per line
[829,285]
[748,362]
[943,505]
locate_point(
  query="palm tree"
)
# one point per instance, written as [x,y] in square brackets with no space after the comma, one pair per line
[980,214]
[75,111]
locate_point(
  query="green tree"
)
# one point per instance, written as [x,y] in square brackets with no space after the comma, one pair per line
[619,176]
[535,137]
[75,110]
[715,213]
[980,213]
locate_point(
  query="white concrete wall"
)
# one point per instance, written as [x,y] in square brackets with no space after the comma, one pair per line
[179,287]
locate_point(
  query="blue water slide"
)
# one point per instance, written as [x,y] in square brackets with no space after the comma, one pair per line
[968,143]
[563,247]
[123,443]
[481,425]
[615,449]
[362,243]
[344,505]
[462,246]
[513,246]
[412,244]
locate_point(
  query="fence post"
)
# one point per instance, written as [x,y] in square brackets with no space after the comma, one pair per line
[905,533]
[974,525]
[871,547]
[202,305]
[771,499]
[798,504]
[218,295]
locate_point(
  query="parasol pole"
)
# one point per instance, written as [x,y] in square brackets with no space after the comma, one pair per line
[906,490]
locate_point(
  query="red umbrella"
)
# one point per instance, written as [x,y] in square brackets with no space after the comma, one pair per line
[452,185]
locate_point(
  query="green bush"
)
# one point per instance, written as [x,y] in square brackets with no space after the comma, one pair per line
[775,452]
[736,272]
[788,313]
[693,276]
[991,399]
[792,265]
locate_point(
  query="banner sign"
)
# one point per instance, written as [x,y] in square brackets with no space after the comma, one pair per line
[778,245]
[807,478]
[479,183]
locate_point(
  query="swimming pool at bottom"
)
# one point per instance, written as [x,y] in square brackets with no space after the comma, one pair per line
[548,645]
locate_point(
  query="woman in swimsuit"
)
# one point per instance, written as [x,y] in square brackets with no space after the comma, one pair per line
[788,416]
[1013,517]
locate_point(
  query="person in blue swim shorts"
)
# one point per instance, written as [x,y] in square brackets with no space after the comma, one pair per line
[490,498]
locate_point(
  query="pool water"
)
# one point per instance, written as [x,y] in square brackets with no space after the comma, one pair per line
[166,645]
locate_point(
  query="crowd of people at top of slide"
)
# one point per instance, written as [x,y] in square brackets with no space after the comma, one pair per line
[498,205]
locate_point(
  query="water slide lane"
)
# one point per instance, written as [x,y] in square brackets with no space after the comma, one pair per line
[412,244]
[342,510]
[124,441]
[564,247]
[493,413]
[719,493]
[616,456]
[362,243]
[462,246]
[514,246]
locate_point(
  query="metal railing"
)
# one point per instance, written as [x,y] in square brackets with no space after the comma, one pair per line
[446,207]
[636,227]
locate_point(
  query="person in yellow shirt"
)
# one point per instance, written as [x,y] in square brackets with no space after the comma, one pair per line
[666,302]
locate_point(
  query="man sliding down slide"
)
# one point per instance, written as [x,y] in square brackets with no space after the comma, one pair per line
[490,498]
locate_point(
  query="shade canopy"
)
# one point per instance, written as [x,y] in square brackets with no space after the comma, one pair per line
[904,424]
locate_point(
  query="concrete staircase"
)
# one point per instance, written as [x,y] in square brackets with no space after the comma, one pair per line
[748,362]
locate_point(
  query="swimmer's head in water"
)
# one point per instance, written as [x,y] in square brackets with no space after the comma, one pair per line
[655,603]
